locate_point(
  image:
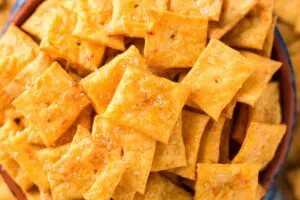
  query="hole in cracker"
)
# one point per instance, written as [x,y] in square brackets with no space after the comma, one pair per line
[78,43]
[136,6]
[172,36]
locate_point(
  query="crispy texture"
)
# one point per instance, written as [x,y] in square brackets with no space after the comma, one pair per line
[138,151]
[267,108]
[287,33]
[287,12]
[269,41]
[121,193]
[193,128]
[173,154]
[87,28]
[101,85]
[174,40]
[294,179]
[59,43]
[25,155]
[241,124]
[159,187]
[231,14]
[211,9]
[251,32]
[223,70]
[130,16]
[151,103]
[257,82]
[43,104]
[107,181]
[256,137]
[210,143]
[230,182]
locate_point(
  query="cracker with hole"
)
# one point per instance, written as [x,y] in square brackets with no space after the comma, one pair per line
[263,71]
[216,77]
[210,9]
[146,102]
[44,103]
[230,182]
[138,151]
[193,128]
[231,14]
[260,144]
[251,32]
[130,17]
[209,151]
[183,39]
[59,43]
[173,154]
[101,85]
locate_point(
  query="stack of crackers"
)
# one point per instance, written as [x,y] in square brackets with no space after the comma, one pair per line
[140,99]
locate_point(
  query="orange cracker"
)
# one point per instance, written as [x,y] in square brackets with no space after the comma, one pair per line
[231,14]
[229,109]
[100,85]
[287,11]
[130,17]
[171,155]
[44,103]
[121,193]
[269,41]
[264,140]
[216,77]
[227,182]
[146,102]
[182,37]
[193,128]
[138,151]
[210,143]
[211,9]
[263,72]
[251,32]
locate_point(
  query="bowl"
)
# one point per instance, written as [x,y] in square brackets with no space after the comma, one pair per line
[288,102]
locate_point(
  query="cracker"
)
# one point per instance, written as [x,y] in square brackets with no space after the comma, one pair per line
[151,103]
[256,83]
[293,47]
[229,109]
[231,14]
[241,124]
[138,151]
[225,142]
[183,38]
[100,85]
[264,140]
[209,151]
[223,70]
[59,43]
[193,128]
[211,9]
[287,32]
[261,192]
[121,193]
[87,28]
[230,182]
[294,179]
[171,155]
[44,103]
[251,32]
[130,17]
[287,12]
[269,41]
[5,192]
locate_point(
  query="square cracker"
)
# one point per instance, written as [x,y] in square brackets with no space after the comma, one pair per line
[44,103]
[101,85]
[182,37]
[59,43]
[174,32]
[253,29]
[269,41]
[230,182]
[146,102]
[216,77]
[171,155]
[121,193]
[231,14]
[211,8]
[25,155]
[287,11]
[138,151]
[260,144]
[193,128]
[87,28]
[130,17]
[263,71]
[107,181]
[159,187]
[268,108]
[209,151]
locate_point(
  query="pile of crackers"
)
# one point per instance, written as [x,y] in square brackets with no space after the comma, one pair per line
[140,99]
